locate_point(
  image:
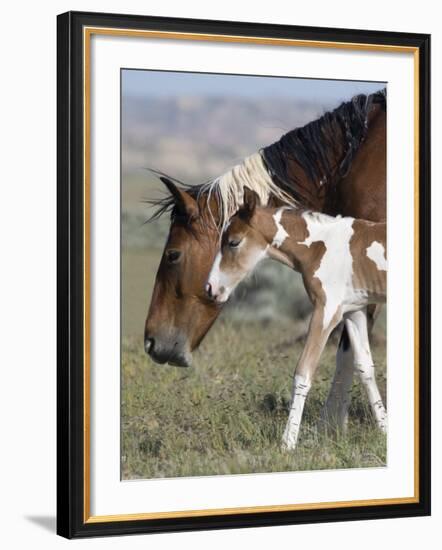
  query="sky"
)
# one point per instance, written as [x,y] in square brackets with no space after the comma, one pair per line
[171,84]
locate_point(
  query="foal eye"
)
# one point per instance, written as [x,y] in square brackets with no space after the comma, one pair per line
[173,256]
[234,243]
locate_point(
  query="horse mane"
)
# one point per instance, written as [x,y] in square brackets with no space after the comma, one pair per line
[227,190]
[308,146]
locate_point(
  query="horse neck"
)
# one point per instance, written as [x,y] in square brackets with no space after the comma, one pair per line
[311,183]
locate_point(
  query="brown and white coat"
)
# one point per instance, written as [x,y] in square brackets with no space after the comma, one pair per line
[344,268]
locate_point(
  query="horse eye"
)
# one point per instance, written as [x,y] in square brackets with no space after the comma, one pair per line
[234,243]
[173,256]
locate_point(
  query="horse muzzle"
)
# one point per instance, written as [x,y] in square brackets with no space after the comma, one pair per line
[167,352]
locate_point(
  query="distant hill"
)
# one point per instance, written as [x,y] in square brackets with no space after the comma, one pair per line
[196,138]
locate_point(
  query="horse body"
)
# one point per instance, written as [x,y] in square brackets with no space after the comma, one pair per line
[342,261]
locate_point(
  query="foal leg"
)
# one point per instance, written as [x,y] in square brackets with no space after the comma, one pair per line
[316,339]
[335,411]
[356,324]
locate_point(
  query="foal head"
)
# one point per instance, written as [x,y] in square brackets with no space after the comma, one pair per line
[243,245]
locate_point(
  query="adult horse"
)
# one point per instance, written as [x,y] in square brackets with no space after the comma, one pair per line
[335,164]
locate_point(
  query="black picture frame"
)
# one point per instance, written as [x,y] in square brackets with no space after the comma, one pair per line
[71,520]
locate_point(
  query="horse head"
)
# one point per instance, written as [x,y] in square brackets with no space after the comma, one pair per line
[180,312]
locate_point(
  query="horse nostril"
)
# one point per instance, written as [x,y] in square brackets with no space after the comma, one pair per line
[209,290]
[149,345]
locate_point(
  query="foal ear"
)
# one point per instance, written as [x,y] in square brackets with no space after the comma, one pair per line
[250,202]
[186,205]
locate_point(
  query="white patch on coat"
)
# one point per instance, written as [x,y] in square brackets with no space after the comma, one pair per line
[281,234]
[376,253]
[214,275]
[335,271]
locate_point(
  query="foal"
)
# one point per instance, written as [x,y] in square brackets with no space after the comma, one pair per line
[343,265]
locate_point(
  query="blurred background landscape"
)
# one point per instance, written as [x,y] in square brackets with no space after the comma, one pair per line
[195,127]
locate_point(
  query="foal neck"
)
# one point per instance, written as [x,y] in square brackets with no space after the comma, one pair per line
[285,232]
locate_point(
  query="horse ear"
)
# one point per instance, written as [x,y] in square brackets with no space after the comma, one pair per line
[250,202]
[185,204]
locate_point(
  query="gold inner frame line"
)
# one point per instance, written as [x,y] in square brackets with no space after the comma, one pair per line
[87,33]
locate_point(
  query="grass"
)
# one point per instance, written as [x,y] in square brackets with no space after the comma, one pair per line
[226,414]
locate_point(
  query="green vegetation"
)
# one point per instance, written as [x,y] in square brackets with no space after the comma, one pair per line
[226,414]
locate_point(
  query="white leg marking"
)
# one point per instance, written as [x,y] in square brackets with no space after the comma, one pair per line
[335,411]
[281,234]
[336,269]
[356,324]
[305,370]
[376,253]
[301,387]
